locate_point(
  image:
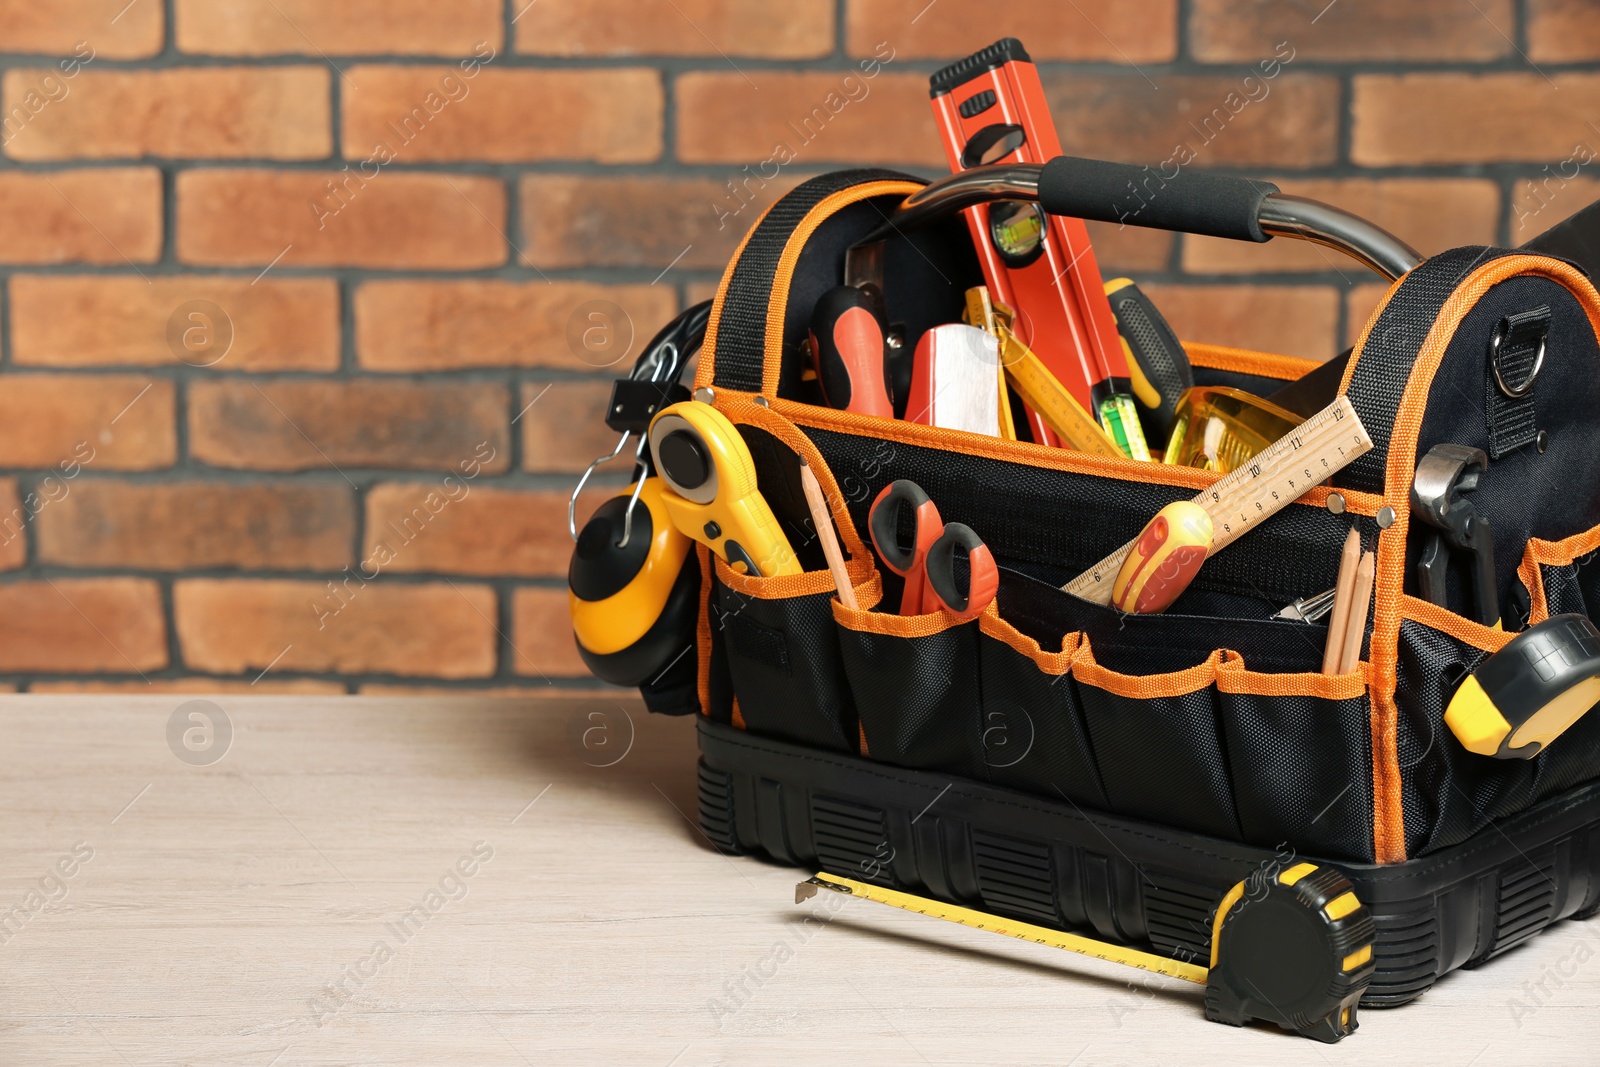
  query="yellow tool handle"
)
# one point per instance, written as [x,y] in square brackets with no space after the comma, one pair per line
[1257,489]
[1087,946]
[1046,395]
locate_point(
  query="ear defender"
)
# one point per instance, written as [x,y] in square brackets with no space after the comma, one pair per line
[634,603]
[711,490]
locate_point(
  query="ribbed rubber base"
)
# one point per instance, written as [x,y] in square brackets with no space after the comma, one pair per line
[1140,883]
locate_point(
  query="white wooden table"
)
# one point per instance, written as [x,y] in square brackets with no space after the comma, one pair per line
[252,910]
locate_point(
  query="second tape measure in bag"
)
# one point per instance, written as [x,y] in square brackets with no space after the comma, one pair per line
[1524,696]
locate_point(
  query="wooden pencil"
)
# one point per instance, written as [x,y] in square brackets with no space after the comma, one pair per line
[1344,590]
[822,519]
[1360,605]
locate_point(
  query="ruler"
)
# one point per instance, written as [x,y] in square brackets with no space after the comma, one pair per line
[1041,935]
[1246,497]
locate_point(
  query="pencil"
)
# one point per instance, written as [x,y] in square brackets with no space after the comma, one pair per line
[1331,652]
[1360,604]
[823,521]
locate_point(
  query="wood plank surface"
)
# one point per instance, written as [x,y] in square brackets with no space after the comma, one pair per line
[364,880]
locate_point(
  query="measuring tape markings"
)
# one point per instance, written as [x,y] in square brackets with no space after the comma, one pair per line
[1277,476]
[977,920]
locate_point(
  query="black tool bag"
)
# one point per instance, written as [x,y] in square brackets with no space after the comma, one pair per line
[1061,762]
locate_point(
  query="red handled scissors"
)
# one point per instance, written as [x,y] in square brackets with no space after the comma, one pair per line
[929,568]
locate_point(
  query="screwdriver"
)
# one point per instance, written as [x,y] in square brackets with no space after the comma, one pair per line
[847,340]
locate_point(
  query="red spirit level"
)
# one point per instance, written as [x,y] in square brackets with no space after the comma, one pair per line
[991,109]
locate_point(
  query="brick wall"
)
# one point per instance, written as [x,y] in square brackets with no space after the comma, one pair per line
[289,284]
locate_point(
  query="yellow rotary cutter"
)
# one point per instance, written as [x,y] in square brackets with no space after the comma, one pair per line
[712,495]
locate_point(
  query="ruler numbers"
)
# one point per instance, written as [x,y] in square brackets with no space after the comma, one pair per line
[1277,476]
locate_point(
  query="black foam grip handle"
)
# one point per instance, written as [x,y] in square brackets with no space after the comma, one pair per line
[1213,205]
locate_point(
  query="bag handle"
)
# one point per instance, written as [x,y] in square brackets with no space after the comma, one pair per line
[1186,201]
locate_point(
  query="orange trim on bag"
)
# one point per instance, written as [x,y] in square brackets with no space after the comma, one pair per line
[865,620]
[740,410]
[1144,687]
[1248,361]
[705,368]
[868,590]
[1459,627]
[1027,453]
[784,274]
[1234,677]
[702,633]
[1388,807]
[1060,662]
[1539,554]
[738,716]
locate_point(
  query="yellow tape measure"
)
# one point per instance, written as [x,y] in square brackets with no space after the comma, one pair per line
[1300,933]
[1087,946]
[1264,485]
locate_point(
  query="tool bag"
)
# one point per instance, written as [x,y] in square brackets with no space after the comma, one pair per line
[1061,762]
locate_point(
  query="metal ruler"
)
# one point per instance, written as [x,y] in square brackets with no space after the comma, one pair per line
[1247,496]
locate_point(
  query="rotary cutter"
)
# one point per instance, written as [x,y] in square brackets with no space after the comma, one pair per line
[711,490]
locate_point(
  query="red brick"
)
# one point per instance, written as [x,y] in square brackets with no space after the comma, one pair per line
[534,691]
[541,628]
[195,684]
[799,29]
[421,114]
[297,425]
[805,117]
[445,325]
[99,320]
[1294,122]
[1429,214]
[1549,197]
[103,215]
[1405,119]
[1291,320]
[111,422]
[640,222]
[193,113]
[113,29]
[436,629]
[351,27]
[1113,31]
[1431,31]
[113,625]
[389,221]
[565,427]
[251,526]
[1563,31]
[463,528]
[13,542]
[1129,249]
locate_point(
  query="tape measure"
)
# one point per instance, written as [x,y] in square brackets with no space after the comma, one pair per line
[1246,497]
[1525,696]
[1292,947]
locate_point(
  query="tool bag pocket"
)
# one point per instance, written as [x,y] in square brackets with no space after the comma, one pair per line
[1032,735]
[1449,793]
[778,638]
[1562,577]
[1301,749]
[915,685]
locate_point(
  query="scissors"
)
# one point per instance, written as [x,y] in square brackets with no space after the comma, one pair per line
[929,568]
